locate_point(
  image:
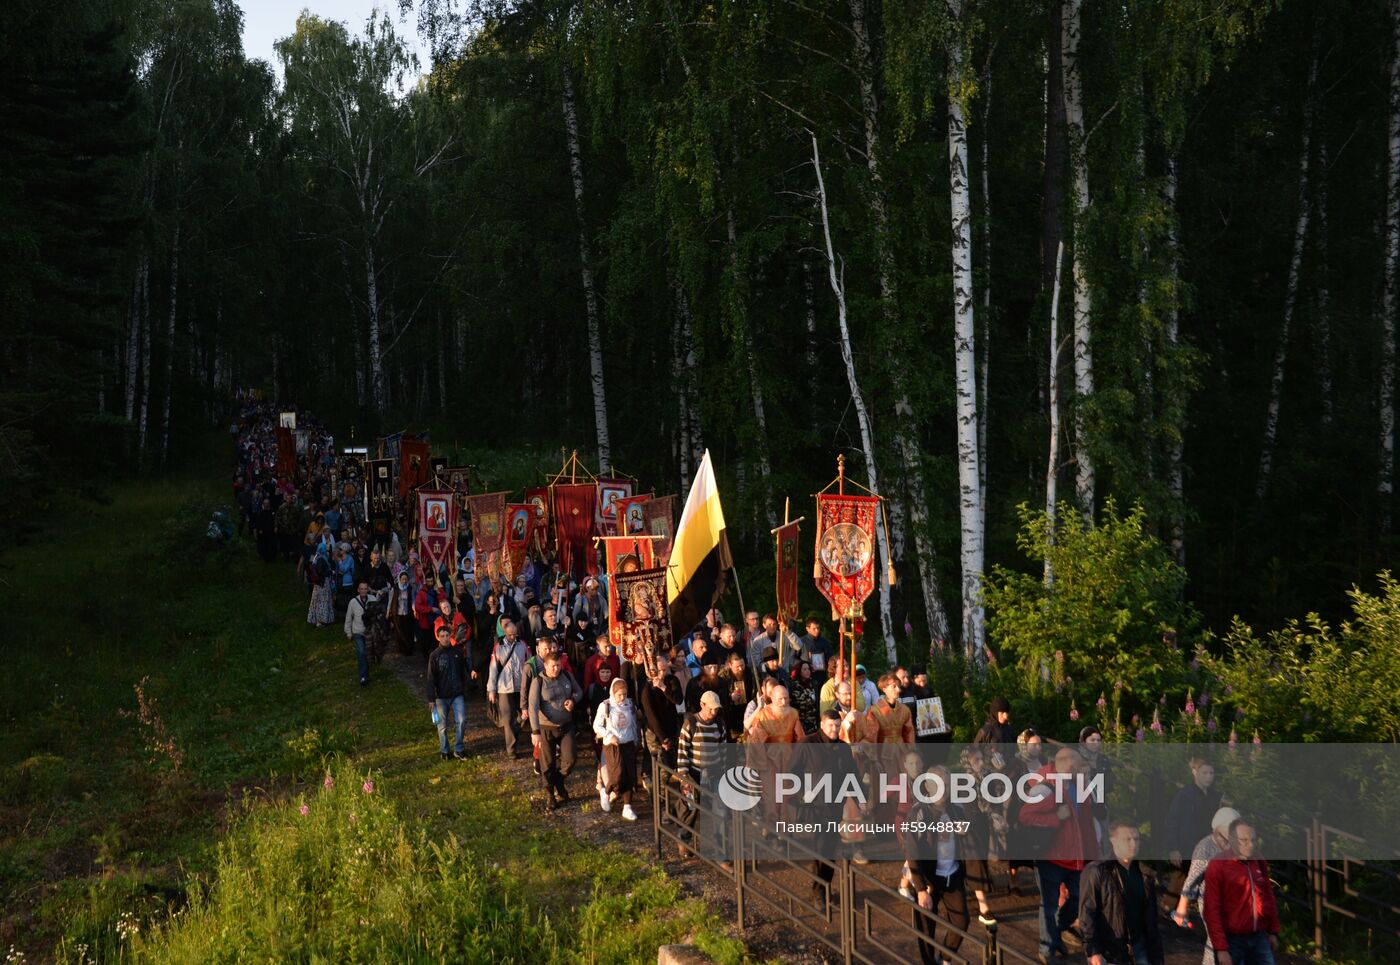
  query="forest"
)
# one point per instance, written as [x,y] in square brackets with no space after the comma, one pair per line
[1004,255]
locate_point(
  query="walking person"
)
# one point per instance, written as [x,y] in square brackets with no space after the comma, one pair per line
[697,758]
[1074,845]
[616,725]
[447,688]
[936,874]
[355,628]
[1194,888]
[1240,911]
[1118,905]
[504,681]
[553,697]
[321,612]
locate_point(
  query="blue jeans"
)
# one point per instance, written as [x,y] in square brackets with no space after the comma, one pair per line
[359,639]
[458,706]
[1250,949]
[1052,922]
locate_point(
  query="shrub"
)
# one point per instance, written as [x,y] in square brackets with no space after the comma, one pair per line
[1100,622]
[333,876]
[1311,682]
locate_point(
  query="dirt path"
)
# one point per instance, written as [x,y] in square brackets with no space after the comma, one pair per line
[769,935]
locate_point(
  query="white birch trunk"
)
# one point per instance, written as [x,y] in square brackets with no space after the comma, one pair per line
[441,351]
[1323,329]
[1175,463]
[459,331]
[376,358]
[809,300]
[1391,298]
[867,435]
[1290,295]
[1052,467]
[1083,298]
[170,344]
[595,338]
[358,351]
[765,467]
[906,424]
[133,341]
[984,367]
[678,379]
[145,366]
[965,361]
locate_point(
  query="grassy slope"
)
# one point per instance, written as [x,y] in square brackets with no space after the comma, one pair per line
[95,823]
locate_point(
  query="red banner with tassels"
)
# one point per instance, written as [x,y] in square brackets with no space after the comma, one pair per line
[844,569]
[575,519]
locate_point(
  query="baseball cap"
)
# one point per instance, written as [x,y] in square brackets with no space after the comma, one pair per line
[1223,819]
[710,699]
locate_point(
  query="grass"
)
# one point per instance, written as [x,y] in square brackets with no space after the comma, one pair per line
[167,709]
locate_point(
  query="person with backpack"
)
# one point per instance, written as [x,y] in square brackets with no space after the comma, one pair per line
[553,696]
[616,725]
[447,687]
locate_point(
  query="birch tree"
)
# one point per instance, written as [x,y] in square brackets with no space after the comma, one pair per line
[1290,292]
[590,298]
[965,353]
[1052,468]
[1391,300]
[1083,297]
[867,435]
[340,91]
[906,422]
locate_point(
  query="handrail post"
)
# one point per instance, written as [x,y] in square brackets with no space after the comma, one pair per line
[656,803]
[737,824]
[848,911]
[1317,882]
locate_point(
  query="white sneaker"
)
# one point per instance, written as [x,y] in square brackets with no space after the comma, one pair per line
[628,814]
[604,801]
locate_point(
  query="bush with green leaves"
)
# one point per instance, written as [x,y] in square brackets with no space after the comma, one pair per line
[1100,621]
[1309,681]
[335,875]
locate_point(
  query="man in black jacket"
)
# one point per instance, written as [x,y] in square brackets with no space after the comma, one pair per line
[1118,906]
[663,725]
[447,687]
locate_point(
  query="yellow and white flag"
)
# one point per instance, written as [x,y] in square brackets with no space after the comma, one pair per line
[700,560]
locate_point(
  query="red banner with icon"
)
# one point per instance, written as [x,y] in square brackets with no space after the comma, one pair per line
[623,555]
[413,465]
[519,523]
[787,572]
[437,527]
[660,515]
[845,570]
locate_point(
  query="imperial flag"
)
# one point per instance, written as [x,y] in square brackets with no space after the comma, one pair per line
[700,560]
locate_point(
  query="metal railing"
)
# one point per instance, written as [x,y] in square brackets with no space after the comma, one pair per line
[853,915]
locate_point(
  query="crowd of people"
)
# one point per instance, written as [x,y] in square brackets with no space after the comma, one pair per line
[535,653]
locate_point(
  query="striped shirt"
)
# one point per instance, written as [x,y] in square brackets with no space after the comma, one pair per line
[699,744]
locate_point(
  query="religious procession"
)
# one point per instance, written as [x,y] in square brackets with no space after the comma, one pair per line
[580,620]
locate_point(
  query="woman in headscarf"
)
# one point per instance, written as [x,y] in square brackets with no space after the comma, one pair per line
[321,612]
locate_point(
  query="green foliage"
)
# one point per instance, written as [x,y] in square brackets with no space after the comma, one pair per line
[1114,594]
[1309,681]
[347,881]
